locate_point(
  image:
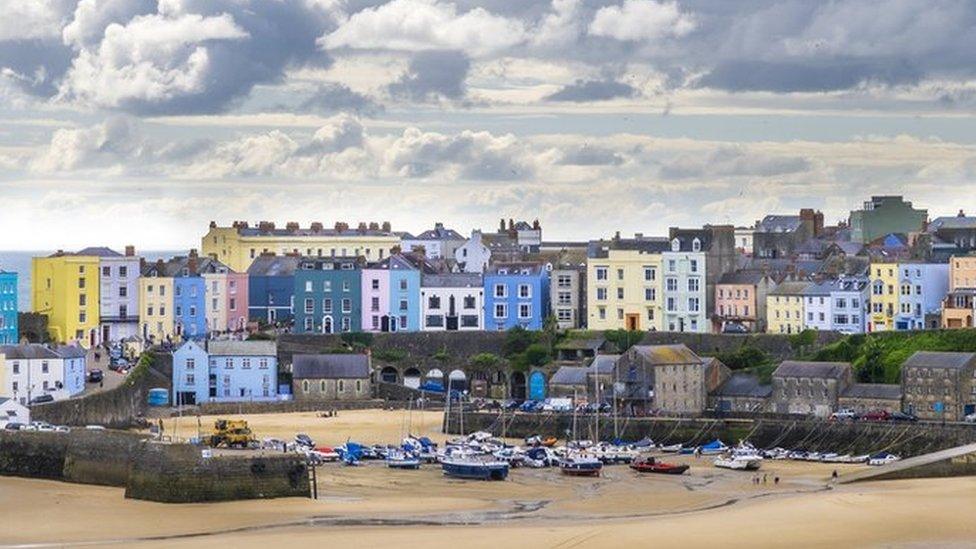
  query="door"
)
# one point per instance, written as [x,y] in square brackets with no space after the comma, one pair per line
[385,323]
[451,323]
[633,322]
[537,386]
[271,316]
[106,333]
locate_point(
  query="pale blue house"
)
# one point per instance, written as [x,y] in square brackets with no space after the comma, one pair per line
[225,371]
[921,289]
[516,294]
[8,308]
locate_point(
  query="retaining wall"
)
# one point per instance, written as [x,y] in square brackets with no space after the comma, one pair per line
[776,345]
[906,439]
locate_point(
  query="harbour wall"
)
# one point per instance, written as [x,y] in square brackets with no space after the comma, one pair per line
[906,439]
[169,473]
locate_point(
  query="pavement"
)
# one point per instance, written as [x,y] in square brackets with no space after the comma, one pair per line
[111,379]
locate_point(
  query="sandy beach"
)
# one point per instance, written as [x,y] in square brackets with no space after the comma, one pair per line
[377,507]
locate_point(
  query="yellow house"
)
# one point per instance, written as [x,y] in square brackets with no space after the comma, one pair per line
[962,273]
[884,295]
[624,284]
[784,308]
[237,246]
[65,288]
[156,321]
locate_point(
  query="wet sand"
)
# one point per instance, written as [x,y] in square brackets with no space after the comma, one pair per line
[374,506]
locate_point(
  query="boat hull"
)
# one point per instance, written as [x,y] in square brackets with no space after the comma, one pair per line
[475,471]
[662,469]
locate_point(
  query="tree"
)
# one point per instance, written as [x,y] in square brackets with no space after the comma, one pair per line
[517,340]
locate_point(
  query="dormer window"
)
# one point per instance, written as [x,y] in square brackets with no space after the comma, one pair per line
[696,245]
[675,245]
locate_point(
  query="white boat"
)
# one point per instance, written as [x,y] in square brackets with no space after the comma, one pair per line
[672,449]
[744,449]
[883,458]
[744,463]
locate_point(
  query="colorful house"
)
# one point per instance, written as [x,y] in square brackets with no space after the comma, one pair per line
[922,287]
[8,308]
[784,308]
[740,300]
[156,304]
[225,371]
[685,290]
[32,370]
[839,305]
[625,283]
[328,295]
[189,297]
[118,292]
[65,288]
[391,295]
[884,295]
[516,294]
[452,301]
[271,288]
[883,215]
[226,304]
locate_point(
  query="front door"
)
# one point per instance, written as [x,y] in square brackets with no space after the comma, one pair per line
[633,322]
[213,385]
[451,323]
[385,323]
[106,333]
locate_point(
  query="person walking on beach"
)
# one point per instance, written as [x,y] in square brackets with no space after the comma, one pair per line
[764,478]
[775,480]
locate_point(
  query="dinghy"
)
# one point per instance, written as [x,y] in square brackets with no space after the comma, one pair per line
[651,465]
[738,463]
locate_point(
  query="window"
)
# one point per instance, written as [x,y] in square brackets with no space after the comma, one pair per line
[564,281]
[601,294]
[345,285]
[308,324]
[190,363]
[620,293]
[246,364]
[190,379]
[603,313]
[564,298]
[81,283]
[375,283]
[326,305]
[434,302]
[346,305]
[374,304]
[525,310]
[694,265]
[193,310]
[82,317]
[564,315]
[620,274]
[228,363]
[524,291]
[233,304]
[469,302]
[403,283]
[342,386]
[693,304]
[403,304]
[650,294]
[326,285]
[670,304]
[501,290]
[693,284]
[435,321]
[671,284]
[346,325]
[601,273]
[649,273]
[672,265]
[501,310]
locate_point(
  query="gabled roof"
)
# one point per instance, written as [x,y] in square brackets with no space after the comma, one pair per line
[274,265]
[953,222]
[790,288]
[70,351]
[334,366]
[569,375]
[658,355]
[600,249]
[439,232]
[28,351]
[778,224]
[742,277]
[741,384]
[99,251]
[940,359]
[242,348]
[452,280]
[177,265]
[604,364]
[886,391]
[815,370]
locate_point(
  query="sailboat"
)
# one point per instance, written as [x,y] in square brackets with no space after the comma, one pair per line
[404,457]
[578,463]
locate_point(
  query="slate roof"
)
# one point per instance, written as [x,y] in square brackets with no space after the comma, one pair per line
[778,224]
[887,391]
[741,384]
[658,355]
[29,351]
[439,232]
[591,344]
[600,249]
[274,265]
[242,348]
[953,222]
[175,266]
[940,359]
[816,370]
[742,277]
[604,364]
[686,238]
[452,280]
[335,366]
[70,351]
[515,268]
[99,251]
[569,375]
[790,288]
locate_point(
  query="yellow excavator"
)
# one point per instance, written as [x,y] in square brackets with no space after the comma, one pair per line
[232,433]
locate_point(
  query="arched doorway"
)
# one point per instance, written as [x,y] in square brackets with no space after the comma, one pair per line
[327,325]
[389,374]
[518,386]
[411,378]
[458,380]
[434,380]
[537,386]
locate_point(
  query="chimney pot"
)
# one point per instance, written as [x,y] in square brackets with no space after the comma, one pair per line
[130,251]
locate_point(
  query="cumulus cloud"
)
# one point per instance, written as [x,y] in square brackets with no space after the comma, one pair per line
[583,91]
[415,25]
[433,75]
[32,19]
[330,97]
[112,143]
[636,20]
[729,161]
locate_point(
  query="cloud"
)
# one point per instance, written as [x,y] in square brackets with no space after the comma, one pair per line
[730,161]
[111,144]
[416,25]
[330,97]
[32,19]
[336,135]
[583,91]
[642,20]
[590,155]
[433,75]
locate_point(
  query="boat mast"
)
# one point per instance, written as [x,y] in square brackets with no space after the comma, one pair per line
[616,377]
[574,413]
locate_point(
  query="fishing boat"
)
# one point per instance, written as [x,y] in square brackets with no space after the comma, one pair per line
[400,459]
[475,468]
[581,466]
[651,465]
[741,463]
[712,448]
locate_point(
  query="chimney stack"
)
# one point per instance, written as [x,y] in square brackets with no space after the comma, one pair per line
[386,227]
[317,226]
[130,251]
[213,224]
[291,226]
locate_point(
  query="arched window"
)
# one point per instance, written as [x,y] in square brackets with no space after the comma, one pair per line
[342,386]
[696,245]
[322,385]
[305,386]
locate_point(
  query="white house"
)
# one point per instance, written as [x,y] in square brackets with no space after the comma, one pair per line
[32,370]
[452,302]
[439,242]
[840,305]
[685,293]
[12,411]
[473,256]
[118,292]
[817,310]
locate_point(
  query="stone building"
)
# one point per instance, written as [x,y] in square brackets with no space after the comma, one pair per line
[668,378]
[939,385]
[867,397]
[810,388]
[779,236]
[741,392]
[568,296]
[331,377]
[569,382]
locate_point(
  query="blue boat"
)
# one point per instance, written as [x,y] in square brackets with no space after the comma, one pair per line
[475,468]
[351,453]
[398,459]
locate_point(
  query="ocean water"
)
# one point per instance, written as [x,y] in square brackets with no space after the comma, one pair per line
[20,263]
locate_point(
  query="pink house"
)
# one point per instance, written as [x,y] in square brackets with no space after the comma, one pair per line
[236,301]
[740,301]
[376,298]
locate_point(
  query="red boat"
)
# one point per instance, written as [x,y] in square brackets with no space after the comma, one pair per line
[650,465]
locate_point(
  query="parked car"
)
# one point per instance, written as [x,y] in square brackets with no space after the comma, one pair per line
[95,427]
[905,416]
[843,415]
[510,405]
[62,429]
[41,399]
[876,415]
[970,418]
[95,376]
[735,328]
[13,426]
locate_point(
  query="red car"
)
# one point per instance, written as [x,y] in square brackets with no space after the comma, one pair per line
[876,415]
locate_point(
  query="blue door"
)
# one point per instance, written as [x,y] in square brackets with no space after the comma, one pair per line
[537,386]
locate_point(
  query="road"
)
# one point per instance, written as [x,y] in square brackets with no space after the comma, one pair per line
[111,379]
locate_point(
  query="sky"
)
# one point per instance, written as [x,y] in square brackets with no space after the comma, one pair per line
[140,121]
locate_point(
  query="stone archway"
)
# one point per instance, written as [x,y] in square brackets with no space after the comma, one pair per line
[389,374]
[458,380]
[434,380]
[517,386]
[411,378]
